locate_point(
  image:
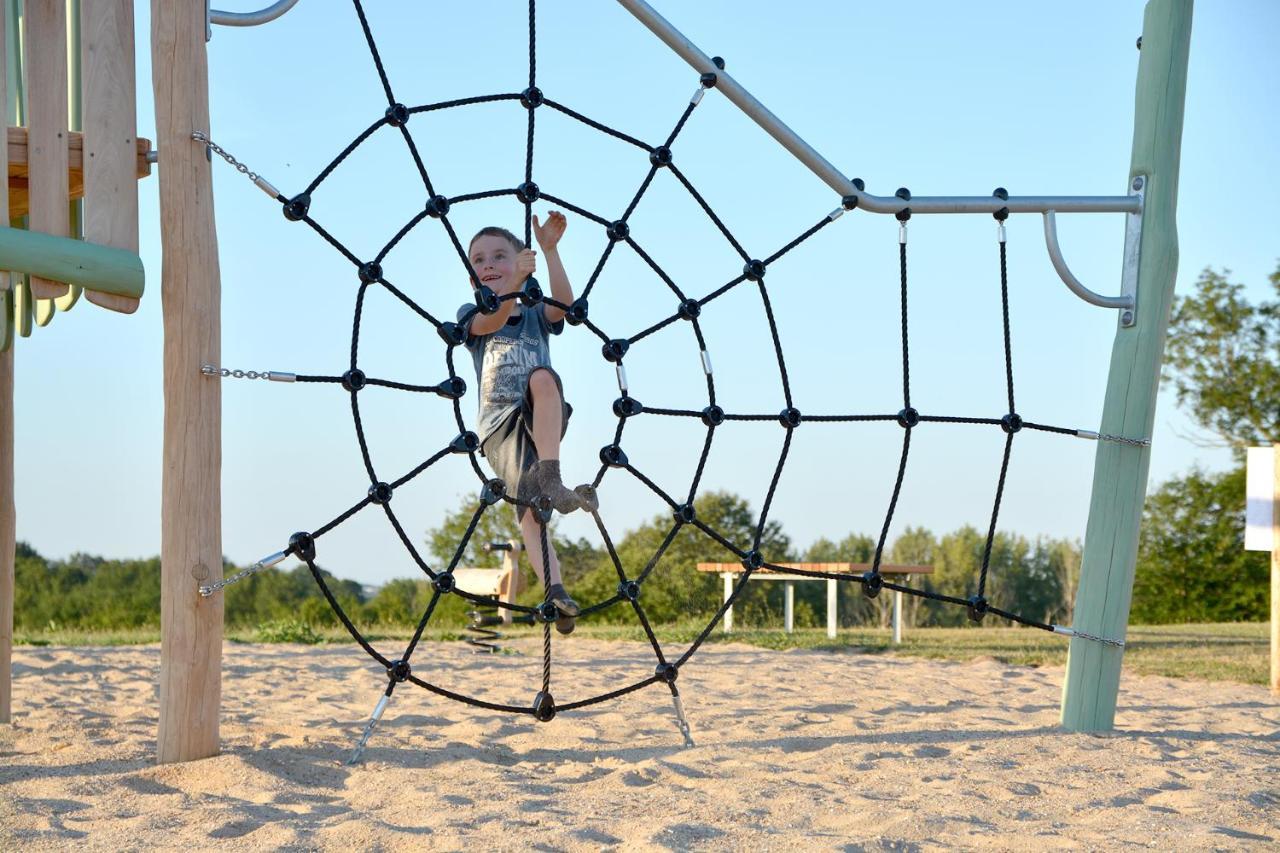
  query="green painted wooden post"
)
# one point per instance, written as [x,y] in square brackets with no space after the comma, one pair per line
[1120,471]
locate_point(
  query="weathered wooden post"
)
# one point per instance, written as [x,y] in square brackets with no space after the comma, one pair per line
[1120,470]
[8,512]
[191,535]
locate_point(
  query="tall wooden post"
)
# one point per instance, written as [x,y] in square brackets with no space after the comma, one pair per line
[191,535]
[1120,471]
[8,530]
[1275,572]
[8,513]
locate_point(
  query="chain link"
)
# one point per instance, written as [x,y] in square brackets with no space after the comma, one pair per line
[226,373]
[201,136]
[259,181]
[206,591]
[1073,632]
[1120,439]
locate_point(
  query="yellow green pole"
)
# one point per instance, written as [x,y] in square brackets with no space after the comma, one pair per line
[1120,470]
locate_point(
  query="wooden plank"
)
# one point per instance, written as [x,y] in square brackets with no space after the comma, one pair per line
[1120,471]
[110,144]
[46,54]
[191,497]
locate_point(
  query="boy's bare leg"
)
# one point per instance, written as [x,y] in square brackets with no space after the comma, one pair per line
[532,533]
[548,414]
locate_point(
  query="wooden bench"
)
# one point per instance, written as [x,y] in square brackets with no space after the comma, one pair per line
[502,583]
[728,571]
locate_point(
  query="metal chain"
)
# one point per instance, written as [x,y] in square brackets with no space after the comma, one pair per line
[1073,632]
[201,136]
[210,370]
[225,373]
[1120,439]
[206,591]
[1117,439]
[259,181]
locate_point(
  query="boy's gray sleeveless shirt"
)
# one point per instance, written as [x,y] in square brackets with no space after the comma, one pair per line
[504,360]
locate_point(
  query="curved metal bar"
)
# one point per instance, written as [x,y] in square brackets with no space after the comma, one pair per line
[1064,272]
[832,176]
[251,19]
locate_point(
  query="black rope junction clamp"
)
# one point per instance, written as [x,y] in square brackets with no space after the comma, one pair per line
[303,546]
[353,380]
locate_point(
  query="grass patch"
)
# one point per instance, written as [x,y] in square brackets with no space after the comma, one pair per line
[1209,652]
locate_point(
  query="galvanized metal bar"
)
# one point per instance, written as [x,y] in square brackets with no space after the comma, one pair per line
[832,176]
[251,19]
[1073,283]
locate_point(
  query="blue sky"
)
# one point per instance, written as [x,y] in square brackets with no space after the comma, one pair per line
[941,98]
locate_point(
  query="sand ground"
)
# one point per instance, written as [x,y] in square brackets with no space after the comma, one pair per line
[794,750]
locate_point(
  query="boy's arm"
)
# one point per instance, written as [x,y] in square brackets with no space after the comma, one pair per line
[561,290]
[487,324]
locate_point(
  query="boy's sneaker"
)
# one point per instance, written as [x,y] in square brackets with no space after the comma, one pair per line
[545,480]
[587,495]
[565,606]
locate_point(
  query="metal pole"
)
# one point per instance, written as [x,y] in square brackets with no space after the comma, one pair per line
[832,176]
[251,19]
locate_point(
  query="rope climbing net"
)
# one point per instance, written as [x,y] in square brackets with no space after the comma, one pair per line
[614,349]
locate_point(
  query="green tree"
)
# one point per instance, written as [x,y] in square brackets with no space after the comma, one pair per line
[1223,357]
[675,590]
[1192,566]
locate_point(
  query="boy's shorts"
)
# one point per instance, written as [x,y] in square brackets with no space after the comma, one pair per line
[510,449]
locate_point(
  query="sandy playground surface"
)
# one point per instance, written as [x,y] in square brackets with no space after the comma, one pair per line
[795,750]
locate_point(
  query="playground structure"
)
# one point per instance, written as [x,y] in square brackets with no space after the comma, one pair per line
[191,538]
[73,162]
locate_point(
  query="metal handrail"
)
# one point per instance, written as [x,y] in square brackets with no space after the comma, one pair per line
[251,19]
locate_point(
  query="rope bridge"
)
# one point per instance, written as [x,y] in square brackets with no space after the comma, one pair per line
[687,309]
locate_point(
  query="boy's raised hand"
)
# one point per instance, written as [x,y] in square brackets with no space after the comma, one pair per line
[549,235]
[526,265]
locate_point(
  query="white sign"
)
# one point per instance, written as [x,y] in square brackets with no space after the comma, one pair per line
[1260,490]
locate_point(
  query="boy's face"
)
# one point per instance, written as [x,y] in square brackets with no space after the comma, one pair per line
[494,260]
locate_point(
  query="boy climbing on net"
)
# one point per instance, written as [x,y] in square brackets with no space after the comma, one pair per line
[523,413]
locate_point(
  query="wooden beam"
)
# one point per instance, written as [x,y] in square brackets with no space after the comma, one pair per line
[110,119]
[46,55]
[1120,470]
[191,519]
[113,271]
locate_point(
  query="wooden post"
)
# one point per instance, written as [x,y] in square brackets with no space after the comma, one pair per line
[8,514]
[897,617]
[728,593]
[1275,574]
[8,531]
[191,535]
[833,607]
[1120,471]
[789,605]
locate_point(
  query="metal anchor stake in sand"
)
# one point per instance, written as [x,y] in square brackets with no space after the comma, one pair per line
[682,722]
[358,753]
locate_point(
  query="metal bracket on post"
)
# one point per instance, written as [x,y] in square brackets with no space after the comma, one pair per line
[244,19]
[1127,301]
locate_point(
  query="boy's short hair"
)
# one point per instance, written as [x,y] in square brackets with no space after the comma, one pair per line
[498,231]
